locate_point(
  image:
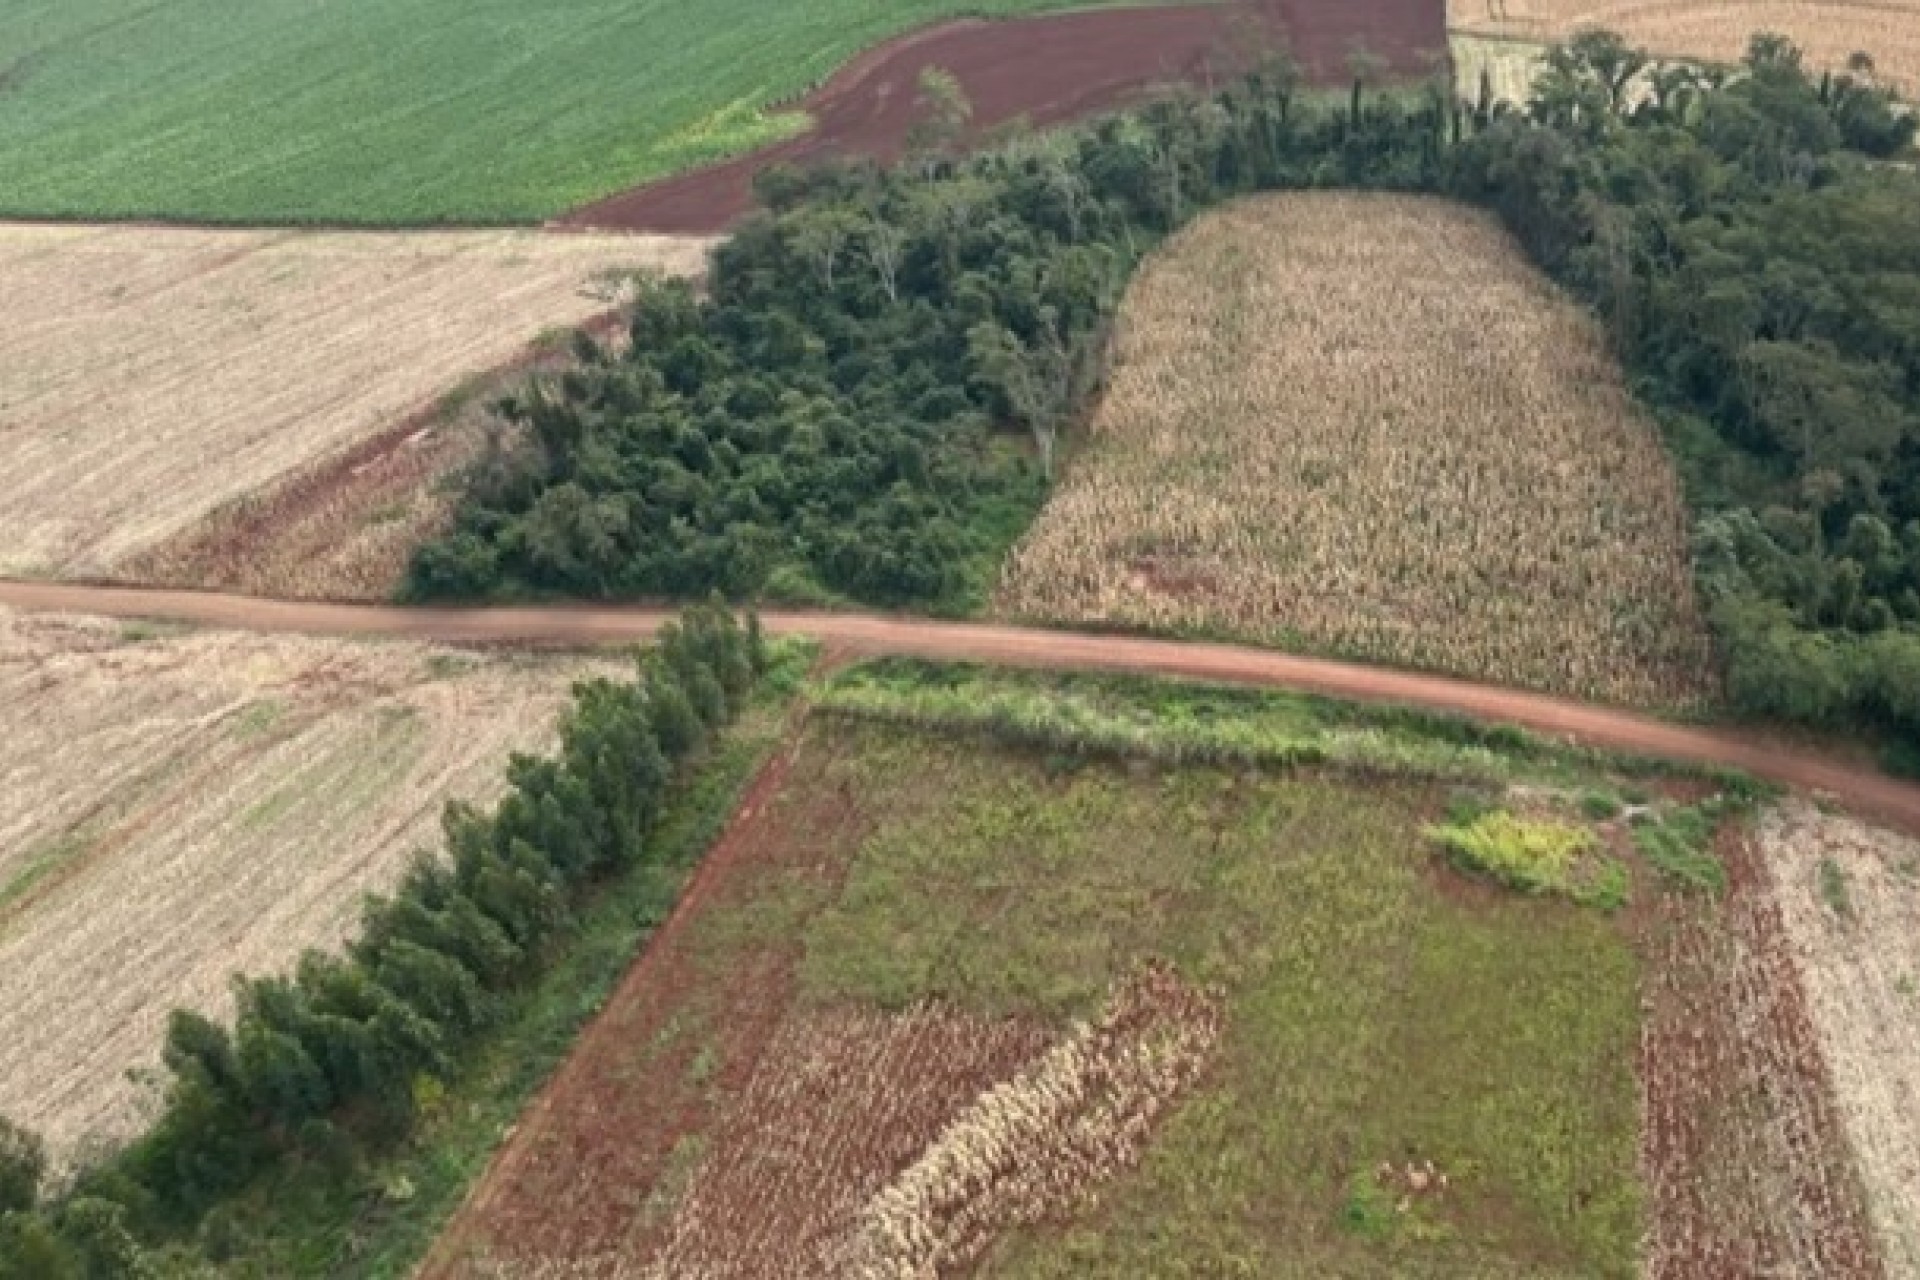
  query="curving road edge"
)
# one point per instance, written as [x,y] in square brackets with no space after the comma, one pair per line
[866,635]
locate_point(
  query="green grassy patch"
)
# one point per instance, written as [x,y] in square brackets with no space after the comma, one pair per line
[406,111]
[1679,843]
[1372,1017]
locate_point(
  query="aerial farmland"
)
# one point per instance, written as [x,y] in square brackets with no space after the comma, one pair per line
[1834,34]
[240,356]
[904,639]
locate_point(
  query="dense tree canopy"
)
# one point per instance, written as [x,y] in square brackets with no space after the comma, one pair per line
[1758,263]
[865,399]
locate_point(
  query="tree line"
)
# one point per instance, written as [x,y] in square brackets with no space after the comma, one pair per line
[332,1059]
[830,417]
[1754,256]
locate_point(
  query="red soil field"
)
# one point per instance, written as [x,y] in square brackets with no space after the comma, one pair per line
[1743,1150]
[1048,69]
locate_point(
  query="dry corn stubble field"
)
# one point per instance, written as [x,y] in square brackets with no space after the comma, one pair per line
[178,807]
[1849,895]
[1364,423]
[150,376]
[1830,31]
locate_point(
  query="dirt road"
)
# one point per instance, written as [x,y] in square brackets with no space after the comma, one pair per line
[863,635]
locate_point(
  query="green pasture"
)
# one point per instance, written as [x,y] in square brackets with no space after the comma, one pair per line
[401,111]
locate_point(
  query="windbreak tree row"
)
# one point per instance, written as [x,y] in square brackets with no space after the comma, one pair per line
[865,403]
[332,1059]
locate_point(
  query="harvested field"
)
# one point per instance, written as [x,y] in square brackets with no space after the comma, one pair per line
[345,528]
[1830,31]
[1365,424]
[1849,898]
[1044,70]
[176,807]
[866,1009]
[1745,1149]
[153,376]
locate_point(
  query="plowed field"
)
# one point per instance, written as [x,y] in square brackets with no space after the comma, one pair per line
[1044,70]
[932,1004]
[150,376]
[176,807]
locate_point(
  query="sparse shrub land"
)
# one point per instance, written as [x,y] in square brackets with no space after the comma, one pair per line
[1365,423]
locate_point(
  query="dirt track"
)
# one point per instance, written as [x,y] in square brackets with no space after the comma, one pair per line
[1870,793]
[1047,69]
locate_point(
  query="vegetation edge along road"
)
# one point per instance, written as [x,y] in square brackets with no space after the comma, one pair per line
[871,635]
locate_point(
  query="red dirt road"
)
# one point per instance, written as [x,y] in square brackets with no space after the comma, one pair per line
[1049,69]
[866,635]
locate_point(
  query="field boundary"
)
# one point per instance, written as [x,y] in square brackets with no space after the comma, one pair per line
[1872,793]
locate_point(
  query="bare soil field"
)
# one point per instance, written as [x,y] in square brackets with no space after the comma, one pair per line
[1849,898]
[1044,70]
[1829,31]
[176,807]
[151,376]
[1363,423]
[1744,1147]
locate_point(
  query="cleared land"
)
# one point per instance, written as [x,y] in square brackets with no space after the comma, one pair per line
[176,807]
[1364,423]
[1746,1148]
[1849,897]
[1829,31]
[151,376]
[1371,1062]
[1042,70]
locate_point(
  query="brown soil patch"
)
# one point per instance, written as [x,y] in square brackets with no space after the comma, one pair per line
[626,1112]
[1045,69]
[843,1099]
[1743,1149]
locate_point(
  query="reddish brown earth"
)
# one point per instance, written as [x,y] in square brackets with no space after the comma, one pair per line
[1745,1158]
[1046,69]
[1872,794]
[593,1136]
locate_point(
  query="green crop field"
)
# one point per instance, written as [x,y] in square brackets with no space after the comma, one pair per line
[400,111]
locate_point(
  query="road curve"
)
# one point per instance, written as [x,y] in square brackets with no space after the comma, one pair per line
[1871,793]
